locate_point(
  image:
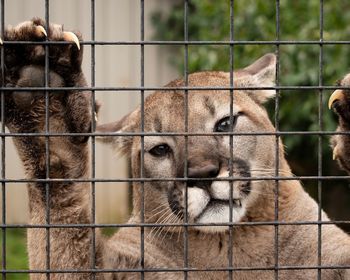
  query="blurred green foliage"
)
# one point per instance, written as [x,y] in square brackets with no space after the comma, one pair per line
[16,253]
[300,64]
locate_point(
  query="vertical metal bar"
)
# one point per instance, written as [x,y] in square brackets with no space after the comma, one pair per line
[230,248]
[142,92]
[3,142]
[93,143]
[277,139]
[320,123]
[186,138]
[47,139]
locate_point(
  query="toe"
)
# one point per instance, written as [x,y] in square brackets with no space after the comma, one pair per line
[336,96]
[71,37]
[40,31]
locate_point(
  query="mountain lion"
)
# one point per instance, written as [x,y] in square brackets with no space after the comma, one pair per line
[204,156]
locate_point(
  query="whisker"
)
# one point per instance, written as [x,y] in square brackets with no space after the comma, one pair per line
[165,220]
[175,218]
[159,206]
[154,230]
[162,220]
[164,204]
[164,207]
[171,220]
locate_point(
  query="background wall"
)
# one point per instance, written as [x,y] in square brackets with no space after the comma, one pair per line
[115,66]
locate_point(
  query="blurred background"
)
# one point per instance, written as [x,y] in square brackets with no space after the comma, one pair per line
[118,66]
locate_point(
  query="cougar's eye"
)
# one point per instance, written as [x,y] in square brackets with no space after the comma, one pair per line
[223,125]
[160,150]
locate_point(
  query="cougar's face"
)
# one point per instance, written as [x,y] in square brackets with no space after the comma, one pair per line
[208,160]
[202,177]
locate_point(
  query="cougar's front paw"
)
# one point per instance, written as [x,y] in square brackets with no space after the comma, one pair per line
[340,101]
[65,59]
[25,67]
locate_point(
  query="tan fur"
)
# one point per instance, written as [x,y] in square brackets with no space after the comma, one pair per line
[207,246]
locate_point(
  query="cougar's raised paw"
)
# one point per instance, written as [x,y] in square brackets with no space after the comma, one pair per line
[26,68]
[65,59]
[339,101]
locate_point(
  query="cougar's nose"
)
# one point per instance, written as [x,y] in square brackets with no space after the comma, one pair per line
[209,170]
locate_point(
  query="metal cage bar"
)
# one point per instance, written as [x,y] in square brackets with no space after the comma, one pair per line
[319,167]
[186,92]
[277,141]
[3,148]
[230,249]
[47,143]
[142,158]
[93,140]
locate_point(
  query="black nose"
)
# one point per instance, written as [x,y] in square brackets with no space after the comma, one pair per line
[207,171]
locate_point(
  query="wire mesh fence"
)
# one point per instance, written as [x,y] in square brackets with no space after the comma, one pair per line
[93,268]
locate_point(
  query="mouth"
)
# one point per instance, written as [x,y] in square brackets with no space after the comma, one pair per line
[202,202]
[213,201]
[204,207]
[218,209]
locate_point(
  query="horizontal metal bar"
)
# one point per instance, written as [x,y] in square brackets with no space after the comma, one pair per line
[136,134]
[188,269]
[165,88]
[123,180]
[185,43]
[184,224]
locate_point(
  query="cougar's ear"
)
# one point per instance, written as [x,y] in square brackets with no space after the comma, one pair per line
[262,73]
[128,123]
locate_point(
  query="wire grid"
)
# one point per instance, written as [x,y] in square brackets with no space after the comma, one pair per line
[3,184]
[142,225]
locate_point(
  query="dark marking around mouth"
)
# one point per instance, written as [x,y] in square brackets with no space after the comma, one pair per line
[241,168]
[174,199]
[220,245]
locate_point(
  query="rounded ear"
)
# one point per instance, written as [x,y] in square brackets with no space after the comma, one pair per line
[262,73]
[129,123]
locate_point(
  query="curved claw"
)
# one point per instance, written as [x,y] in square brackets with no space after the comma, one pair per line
[336,95]
[1,42]
[71,37]
[335,153]
[96,118]
[40,31]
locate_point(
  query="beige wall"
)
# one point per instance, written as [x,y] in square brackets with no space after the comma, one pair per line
[115,66]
